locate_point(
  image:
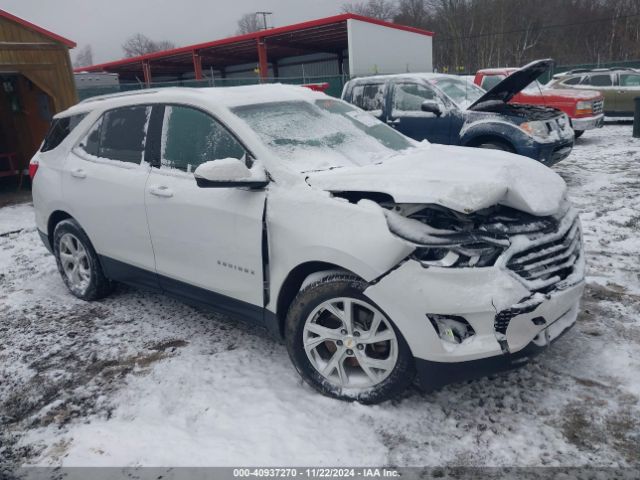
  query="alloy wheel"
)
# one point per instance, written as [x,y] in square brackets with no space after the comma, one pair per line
[350,343]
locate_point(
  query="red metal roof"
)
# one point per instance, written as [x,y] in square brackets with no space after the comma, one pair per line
[36,28]
[243,44]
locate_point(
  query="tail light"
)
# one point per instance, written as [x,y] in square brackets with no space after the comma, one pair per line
[33,168]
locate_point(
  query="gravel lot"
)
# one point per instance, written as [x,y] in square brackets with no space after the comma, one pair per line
[139,379]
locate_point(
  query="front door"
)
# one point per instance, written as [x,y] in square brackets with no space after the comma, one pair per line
[207,241]
[105,176]
[407,117]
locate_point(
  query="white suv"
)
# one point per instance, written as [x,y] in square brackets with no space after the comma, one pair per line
[379,260]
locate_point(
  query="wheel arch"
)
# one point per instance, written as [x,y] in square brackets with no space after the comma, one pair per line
[54,219]
[476,140]
[291,286]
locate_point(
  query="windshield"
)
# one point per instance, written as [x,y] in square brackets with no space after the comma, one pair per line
[463,93]
[320,135]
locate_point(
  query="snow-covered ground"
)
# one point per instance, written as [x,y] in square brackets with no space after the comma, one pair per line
[139,379]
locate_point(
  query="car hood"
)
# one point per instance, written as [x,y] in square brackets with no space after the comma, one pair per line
[569,93]
[514,83]
[459,178]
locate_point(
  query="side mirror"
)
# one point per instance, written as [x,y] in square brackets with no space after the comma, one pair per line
[229,173]
[431,106]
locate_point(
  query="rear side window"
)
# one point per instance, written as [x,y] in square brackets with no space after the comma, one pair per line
[629,80]
[59,130]
[598,80]
[369,97]
[572,81]
[490,81]
[191,137]
[123,132]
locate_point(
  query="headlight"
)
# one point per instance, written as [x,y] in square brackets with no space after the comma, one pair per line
[459,256]
[536,129]
[445,239]
[584,107]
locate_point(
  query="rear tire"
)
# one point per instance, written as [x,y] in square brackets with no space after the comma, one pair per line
[578,133]
[78,262]
[359,356]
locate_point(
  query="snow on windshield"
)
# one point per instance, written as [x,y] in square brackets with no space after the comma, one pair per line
[459,90]
[327,133]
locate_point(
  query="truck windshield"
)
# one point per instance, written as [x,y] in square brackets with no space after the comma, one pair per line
[462,92]
[323,134]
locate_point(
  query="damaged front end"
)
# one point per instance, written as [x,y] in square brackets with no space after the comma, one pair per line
[489,283]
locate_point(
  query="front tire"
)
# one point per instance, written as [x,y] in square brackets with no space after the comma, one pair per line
[343,345]
[578,133]
[78,262]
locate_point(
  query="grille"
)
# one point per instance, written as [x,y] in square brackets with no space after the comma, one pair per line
[598,107]
[550,260]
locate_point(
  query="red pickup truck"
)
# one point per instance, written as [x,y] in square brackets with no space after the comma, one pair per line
[585,108]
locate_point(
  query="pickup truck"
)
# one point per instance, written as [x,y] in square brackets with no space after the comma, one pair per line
[585,108]
[449,110]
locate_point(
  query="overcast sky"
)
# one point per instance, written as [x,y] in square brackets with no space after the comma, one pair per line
[105,24]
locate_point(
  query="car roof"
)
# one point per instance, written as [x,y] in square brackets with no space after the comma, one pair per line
[408,76]
[579,71]
[223,96]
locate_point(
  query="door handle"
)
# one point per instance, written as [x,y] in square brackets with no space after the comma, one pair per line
[394,122]
[78,173]
[161,191]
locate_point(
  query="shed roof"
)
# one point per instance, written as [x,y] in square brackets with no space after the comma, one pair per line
[324,34]
[42,31]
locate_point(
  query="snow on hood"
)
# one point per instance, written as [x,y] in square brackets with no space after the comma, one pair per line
[572,93]
[459,178]
[514,83]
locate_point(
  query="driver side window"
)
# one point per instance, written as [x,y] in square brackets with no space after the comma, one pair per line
[408,97]
[191,137]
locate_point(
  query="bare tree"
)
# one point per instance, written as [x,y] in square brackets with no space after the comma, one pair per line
[84,57]
[380,9]
[248,23]
[140,44]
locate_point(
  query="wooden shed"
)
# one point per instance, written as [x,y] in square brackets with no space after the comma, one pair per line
[36,81]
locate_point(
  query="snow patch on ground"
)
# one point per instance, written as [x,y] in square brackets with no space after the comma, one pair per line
[140,379]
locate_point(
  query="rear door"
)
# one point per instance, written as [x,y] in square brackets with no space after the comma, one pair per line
[370,97]
[405,112]
[207,241]
[628,89]
[103,184]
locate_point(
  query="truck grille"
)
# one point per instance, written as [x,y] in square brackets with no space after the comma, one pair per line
[598,107]
[549,259]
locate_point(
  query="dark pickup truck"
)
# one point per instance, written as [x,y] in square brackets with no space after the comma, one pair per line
[450,110]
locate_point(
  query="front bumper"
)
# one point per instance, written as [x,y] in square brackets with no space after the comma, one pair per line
[411,293]
[587,123]
[433,375]
[547,153]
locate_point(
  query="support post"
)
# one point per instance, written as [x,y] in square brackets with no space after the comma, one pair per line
[197,64]
[146,71]
[340,62]
[263,66]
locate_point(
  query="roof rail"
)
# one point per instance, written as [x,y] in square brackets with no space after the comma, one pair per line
[109,96]
[588,70]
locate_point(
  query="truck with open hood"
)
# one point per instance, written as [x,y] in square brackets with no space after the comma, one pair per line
[447,109]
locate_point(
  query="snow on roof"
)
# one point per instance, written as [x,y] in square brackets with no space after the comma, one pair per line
[408,76]
[224,96]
